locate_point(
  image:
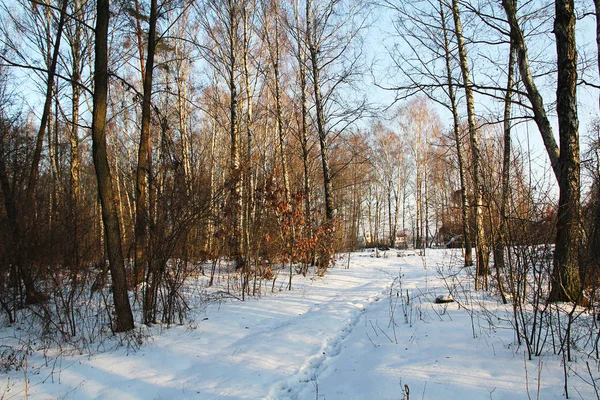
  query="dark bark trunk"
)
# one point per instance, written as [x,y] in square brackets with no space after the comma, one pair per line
[143,179]
[597,8]
[235,195]
[566,285]
[124,317]
[319,107]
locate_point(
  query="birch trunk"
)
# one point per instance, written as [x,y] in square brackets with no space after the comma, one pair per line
[481,248]
[459,150]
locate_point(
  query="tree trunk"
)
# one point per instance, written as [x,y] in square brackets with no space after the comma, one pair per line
[597,8]
[76,44]
[319,107]
[565,275]
[304,131]
[248,183]
[124,317]
[566,285]
[235,194]
[142,213]
[502,234]
[459,152]
[534,96]
[481,249]
[143,171]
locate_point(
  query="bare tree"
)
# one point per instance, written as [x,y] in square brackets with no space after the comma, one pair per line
[457,140]
[597,8]
[124,316]
[506,164]
[329,41]
[143,180]
[313,48]
[565,276]
[144,159]
[481,248]
[222,22]
[566,283]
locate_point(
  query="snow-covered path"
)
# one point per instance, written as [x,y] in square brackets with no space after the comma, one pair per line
[358,333]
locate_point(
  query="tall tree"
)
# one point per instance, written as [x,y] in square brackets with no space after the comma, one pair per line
[332,30]
[457,140]
[222,23]
[597,8]
[112,231]
[314,50]
[566,285]
[143,181]
[481,249]
[535,98]
[506,164]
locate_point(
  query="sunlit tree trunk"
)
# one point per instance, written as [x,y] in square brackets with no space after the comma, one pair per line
[458,142]
[248,187]
[143,180]
[124,317]
[534,96]
[506,164]
[304,143]
[566,285]
[144,160]
[481,248]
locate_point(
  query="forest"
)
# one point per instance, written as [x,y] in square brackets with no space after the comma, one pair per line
[144,143]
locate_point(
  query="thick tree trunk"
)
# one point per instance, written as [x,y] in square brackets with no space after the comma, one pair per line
[481,248]
[124,317]
[566,285]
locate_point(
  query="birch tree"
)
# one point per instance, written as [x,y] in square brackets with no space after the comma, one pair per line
[481,248]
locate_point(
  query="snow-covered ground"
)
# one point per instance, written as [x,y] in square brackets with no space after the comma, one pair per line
[372,331]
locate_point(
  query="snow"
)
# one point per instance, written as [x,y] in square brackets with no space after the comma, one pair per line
[372,331]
